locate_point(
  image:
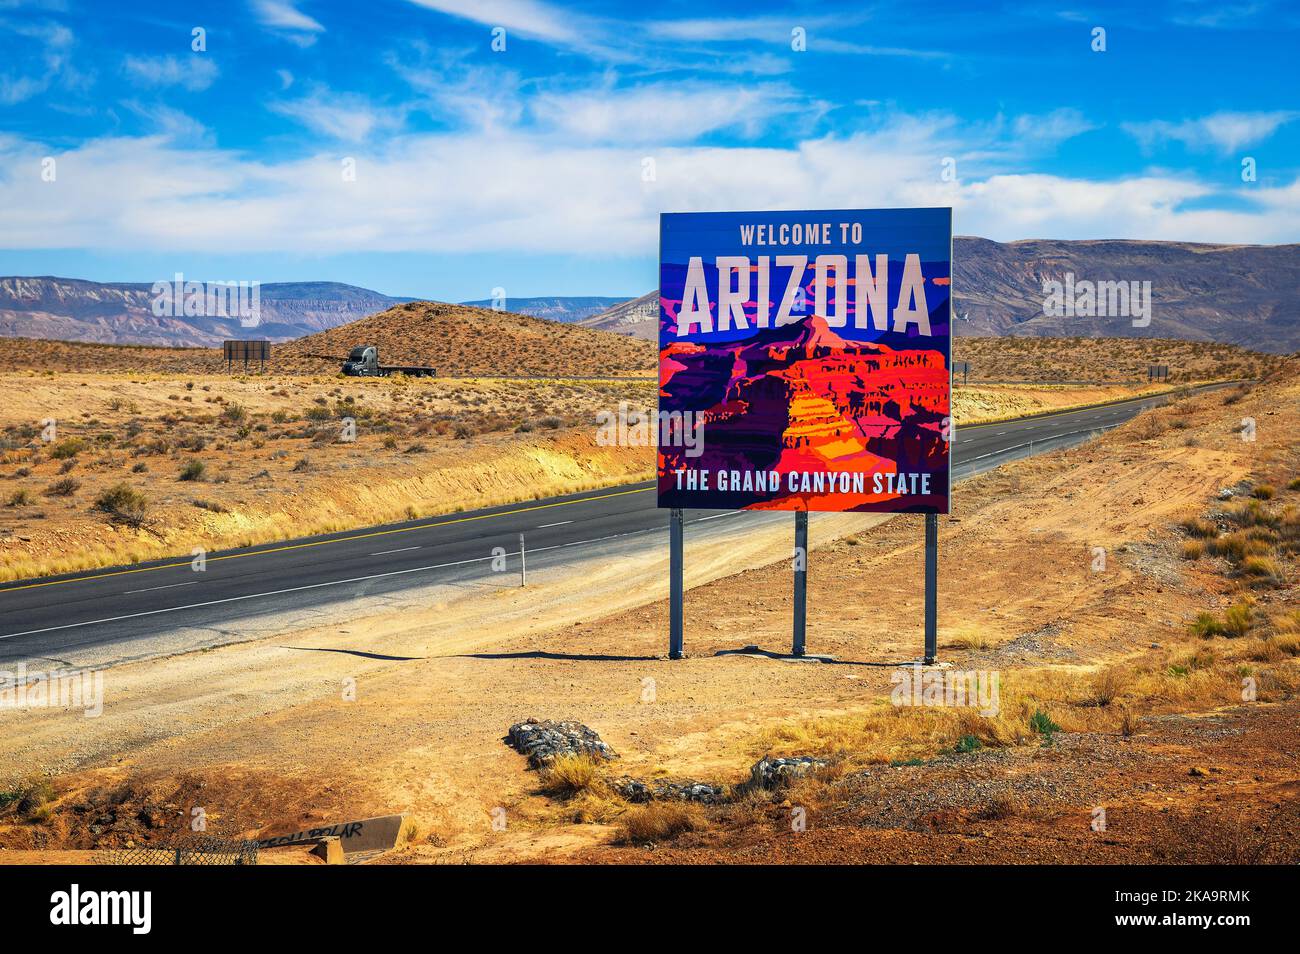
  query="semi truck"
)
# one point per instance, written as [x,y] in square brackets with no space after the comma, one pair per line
[363,362]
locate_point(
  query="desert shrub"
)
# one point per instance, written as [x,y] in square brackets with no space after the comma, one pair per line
[551,422]
[968,743]
[1261,567]
[1237,620]
[233,413]
[30,798]
[1001,808]
[1041,723]
[193,470]
[1253,513]
[1193,549]
[1206,626]
[1294,484]
[67,448]
[1108,684]
[303,465]
[123,504]
[462,431]
[1263,492]
[1199,527]
[140,468]
[20,498]
[63,488]
[214,506]
[1233,546]
[660,821]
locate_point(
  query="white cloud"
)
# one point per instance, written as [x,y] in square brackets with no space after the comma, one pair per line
[1224,131]
[502,191]
[173,124]
[283,17]
[348,117]
[528,18]
[667,112]
[194,72]
[450,86]
[53,59]
[1054,127]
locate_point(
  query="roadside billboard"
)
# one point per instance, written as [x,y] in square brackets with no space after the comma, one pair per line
[804,360]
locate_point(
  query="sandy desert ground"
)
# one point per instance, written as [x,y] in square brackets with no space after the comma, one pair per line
[1140,666]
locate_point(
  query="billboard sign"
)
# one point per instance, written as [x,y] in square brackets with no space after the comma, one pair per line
[804,360]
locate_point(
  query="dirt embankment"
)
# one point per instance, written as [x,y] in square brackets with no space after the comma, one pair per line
[1116,693]
[1114,360]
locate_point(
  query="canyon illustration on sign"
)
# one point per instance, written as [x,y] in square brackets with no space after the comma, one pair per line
[804,360]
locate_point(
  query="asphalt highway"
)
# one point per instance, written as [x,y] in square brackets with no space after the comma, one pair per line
[111,609]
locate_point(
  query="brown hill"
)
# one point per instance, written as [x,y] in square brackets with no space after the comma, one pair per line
[457,340]
[464,340]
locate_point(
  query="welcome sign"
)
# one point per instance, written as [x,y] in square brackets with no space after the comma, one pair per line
[809,355]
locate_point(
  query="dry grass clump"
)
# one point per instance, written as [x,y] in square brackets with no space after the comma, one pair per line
[29,800]
[975,641]
[1199,528]
[569,775]
[660,821]
[1109,684]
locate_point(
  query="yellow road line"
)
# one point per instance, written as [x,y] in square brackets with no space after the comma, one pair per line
[321,543]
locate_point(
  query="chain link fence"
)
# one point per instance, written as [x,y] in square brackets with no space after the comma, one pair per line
[186,849]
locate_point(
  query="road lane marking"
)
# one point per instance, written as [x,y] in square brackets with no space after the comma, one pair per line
[316,586]
[321,543]
[402,550]
[167,587]
[560,524]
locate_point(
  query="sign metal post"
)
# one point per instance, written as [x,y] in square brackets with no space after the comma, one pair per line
[523,563]
[931,587]
[676,528]
[800,581]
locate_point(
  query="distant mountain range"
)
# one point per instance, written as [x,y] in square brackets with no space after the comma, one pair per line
[568,309]
[1234,294]
[70,309]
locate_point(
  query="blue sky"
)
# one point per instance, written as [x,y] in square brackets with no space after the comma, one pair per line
[388,144]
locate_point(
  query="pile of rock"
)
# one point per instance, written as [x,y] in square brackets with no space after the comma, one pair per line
[545,741]
[634,790]
[773,773]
